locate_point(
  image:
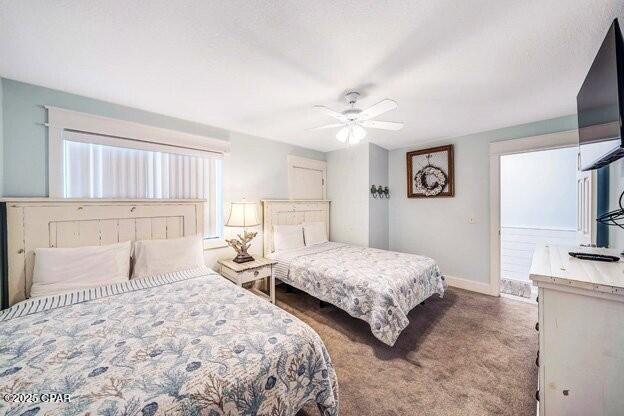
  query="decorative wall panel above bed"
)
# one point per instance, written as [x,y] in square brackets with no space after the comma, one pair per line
[35,223]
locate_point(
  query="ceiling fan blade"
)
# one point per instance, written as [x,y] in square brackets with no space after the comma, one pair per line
[384,125]
[377,109]
[330,112]
[327,126]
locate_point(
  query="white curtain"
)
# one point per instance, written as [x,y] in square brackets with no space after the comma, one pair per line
[94,170]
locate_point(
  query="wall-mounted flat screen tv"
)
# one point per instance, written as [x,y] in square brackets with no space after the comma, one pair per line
[600,104]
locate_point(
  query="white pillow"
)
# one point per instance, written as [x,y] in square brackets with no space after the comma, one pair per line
[314,233]
[287,237]
[153,257]
[59,270]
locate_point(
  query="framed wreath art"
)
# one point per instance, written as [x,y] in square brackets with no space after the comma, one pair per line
[430,172]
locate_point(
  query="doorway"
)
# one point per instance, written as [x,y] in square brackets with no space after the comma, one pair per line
[559,140]
[539,193]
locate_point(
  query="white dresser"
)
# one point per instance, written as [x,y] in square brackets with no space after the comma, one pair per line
[581,333]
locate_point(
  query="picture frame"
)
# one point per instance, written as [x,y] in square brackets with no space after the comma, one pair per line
[431,172]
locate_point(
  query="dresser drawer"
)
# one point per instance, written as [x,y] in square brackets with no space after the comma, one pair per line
[247,275]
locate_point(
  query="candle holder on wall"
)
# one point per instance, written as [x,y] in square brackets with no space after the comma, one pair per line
[380,191]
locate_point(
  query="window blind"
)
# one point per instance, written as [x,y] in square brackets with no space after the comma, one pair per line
[94,168]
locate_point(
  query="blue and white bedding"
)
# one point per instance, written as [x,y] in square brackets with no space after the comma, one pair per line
[378,286]
[184,343]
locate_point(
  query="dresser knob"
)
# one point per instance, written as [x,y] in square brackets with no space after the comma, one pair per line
[537,395]
[537,326]
[256,273]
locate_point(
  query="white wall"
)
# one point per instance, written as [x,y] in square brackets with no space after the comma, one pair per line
[538,189]
[378,207]
[440,227]
[347,188]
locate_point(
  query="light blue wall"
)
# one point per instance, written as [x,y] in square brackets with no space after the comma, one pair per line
[440,227]
[26,153]
[256,168]
[347,188]
[378,207]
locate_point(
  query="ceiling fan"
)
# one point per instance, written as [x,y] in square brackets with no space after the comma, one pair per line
[355,121]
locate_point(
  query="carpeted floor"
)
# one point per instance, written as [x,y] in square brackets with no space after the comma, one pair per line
[465,354]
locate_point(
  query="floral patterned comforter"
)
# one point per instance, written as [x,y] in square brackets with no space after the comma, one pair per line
[378,286]
[184,343]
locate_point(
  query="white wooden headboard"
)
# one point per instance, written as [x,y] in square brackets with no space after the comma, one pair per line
[30,223]
[291,212]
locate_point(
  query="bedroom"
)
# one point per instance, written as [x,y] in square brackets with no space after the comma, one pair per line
[231,87]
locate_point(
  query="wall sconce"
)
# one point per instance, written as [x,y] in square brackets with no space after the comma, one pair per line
[373,191]
[380,191]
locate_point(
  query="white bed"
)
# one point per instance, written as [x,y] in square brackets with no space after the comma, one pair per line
[378,286]
[184,342]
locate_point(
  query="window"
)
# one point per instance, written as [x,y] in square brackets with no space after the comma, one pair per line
[104,167]
[99,157]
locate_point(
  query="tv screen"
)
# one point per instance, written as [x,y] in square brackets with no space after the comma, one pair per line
[600,104]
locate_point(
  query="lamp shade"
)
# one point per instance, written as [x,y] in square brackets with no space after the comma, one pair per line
[243,214]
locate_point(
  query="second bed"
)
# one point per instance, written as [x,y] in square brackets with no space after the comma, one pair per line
[378,286]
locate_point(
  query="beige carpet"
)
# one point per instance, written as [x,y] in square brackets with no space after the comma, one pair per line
[465,354]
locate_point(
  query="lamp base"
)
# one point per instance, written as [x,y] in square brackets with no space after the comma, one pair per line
[243,258]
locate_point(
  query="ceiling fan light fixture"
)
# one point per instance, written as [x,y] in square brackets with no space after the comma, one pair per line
[357,134]
[343,134]
[351,134]
[355,121]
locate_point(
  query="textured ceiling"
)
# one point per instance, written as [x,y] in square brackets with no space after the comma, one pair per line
[454,67]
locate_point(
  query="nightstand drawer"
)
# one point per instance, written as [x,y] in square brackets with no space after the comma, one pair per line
[247,275]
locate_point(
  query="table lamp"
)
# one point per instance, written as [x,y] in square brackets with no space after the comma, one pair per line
[242,214]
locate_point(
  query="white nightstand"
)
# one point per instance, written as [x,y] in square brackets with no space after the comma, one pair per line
[241,273]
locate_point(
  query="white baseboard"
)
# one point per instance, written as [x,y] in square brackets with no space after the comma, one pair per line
[471,285]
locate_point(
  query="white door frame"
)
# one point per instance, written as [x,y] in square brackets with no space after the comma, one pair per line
[557,140]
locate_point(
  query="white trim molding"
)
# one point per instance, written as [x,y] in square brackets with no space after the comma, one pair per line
[557,140]
[61,120]
[74,136]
